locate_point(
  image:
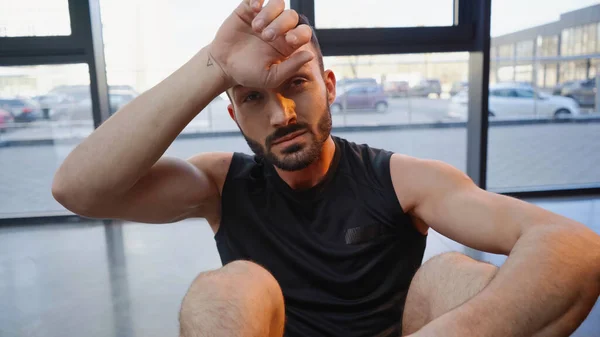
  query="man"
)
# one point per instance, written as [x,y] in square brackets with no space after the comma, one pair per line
[320,236]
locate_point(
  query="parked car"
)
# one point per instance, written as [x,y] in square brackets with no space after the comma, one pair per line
[427,87]
[559,87]
[584,92]
[347,82]
[22,109]
[397,88]
[5,118]
[54,105]
[458,87]
[360,97]
[515,100]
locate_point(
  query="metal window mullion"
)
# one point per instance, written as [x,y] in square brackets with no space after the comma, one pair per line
[402,40]
[34,60]
[88,25]
[306,7]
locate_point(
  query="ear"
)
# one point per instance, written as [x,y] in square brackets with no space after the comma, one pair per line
[330,83]
[231,112]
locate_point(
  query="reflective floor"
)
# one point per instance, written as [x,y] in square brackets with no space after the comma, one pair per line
[88,279]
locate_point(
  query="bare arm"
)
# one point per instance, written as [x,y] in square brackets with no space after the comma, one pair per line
[117,172]
[551,278]
[119,162]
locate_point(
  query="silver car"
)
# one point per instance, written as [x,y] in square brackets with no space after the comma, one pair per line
[584,92]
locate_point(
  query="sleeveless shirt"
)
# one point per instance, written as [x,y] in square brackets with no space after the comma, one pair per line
[344,251]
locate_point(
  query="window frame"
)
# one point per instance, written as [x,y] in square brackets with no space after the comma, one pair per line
[470,33]
[84,45]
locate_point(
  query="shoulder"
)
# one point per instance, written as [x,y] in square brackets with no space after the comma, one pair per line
[416,179]
[224,166]
[364,153]
[366,164]
[214,164]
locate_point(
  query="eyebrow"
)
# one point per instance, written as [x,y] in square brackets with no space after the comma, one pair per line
[304,70]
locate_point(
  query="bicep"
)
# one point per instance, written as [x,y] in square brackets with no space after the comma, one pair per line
[450,203]
[172,190]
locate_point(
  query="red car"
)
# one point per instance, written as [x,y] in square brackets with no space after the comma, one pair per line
[5,118]
[361,97]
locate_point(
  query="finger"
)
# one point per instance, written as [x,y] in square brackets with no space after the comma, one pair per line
[281,25]
[248,9]
[256,5]
[292,40]
[298,36]
[269,13]
[284,70]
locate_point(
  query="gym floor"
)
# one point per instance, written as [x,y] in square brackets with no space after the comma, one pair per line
[92,279]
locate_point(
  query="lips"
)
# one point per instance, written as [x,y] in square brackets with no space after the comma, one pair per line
[289,136]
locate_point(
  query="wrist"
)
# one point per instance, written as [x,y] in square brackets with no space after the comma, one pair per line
[214,64]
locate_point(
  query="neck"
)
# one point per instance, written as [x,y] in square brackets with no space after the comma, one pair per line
[314,173]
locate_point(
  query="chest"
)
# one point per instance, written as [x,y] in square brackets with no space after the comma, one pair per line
[335,242]
[346,213]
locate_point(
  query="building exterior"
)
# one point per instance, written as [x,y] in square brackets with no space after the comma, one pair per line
[550,54]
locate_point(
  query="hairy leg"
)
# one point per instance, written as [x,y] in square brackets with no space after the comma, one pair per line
[441,284]
[242,299]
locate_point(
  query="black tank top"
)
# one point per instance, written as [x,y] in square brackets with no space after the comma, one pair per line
[343,252]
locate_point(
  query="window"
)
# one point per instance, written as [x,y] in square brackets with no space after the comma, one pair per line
[547,75]
[524,93]
[524,73]
[414,96]
[535,151]
[525,48]
[383,13]
[34,18]
[493,52]
[585,42]
[140,53]
[357,91]
[44,112]
[506,51]
[547,46]
[578,41]
[574,70]
[566,43]
[592,39]
[503,93]
[598,38]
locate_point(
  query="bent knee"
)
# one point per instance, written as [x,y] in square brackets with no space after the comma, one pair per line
[452,275]
[441,284]
[242,293]
[453,264]
[236,279]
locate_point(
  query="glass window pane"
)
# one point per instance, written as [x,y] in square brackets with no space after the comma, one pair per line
[44,112]
[536,151]
[598,38]
[565,43]
[34,18]
[419,85]
[153,51]
[408,98]
[525,48]
[523,93]
[383,13]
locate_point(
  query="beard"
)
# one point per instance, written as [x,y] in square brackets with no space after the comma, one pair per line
[297,156]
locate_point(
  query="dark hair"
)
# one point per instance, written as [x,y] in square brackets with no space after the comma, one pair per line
[303,20]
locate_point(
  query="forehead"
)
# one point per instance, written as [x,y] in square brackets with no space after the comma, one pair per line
[312,66]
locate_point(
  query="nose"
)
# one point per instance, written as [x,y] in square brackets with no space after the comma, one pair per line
[283,111]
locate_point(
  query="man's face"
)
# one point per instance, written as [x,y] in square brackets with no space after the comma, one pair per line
[287,125]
